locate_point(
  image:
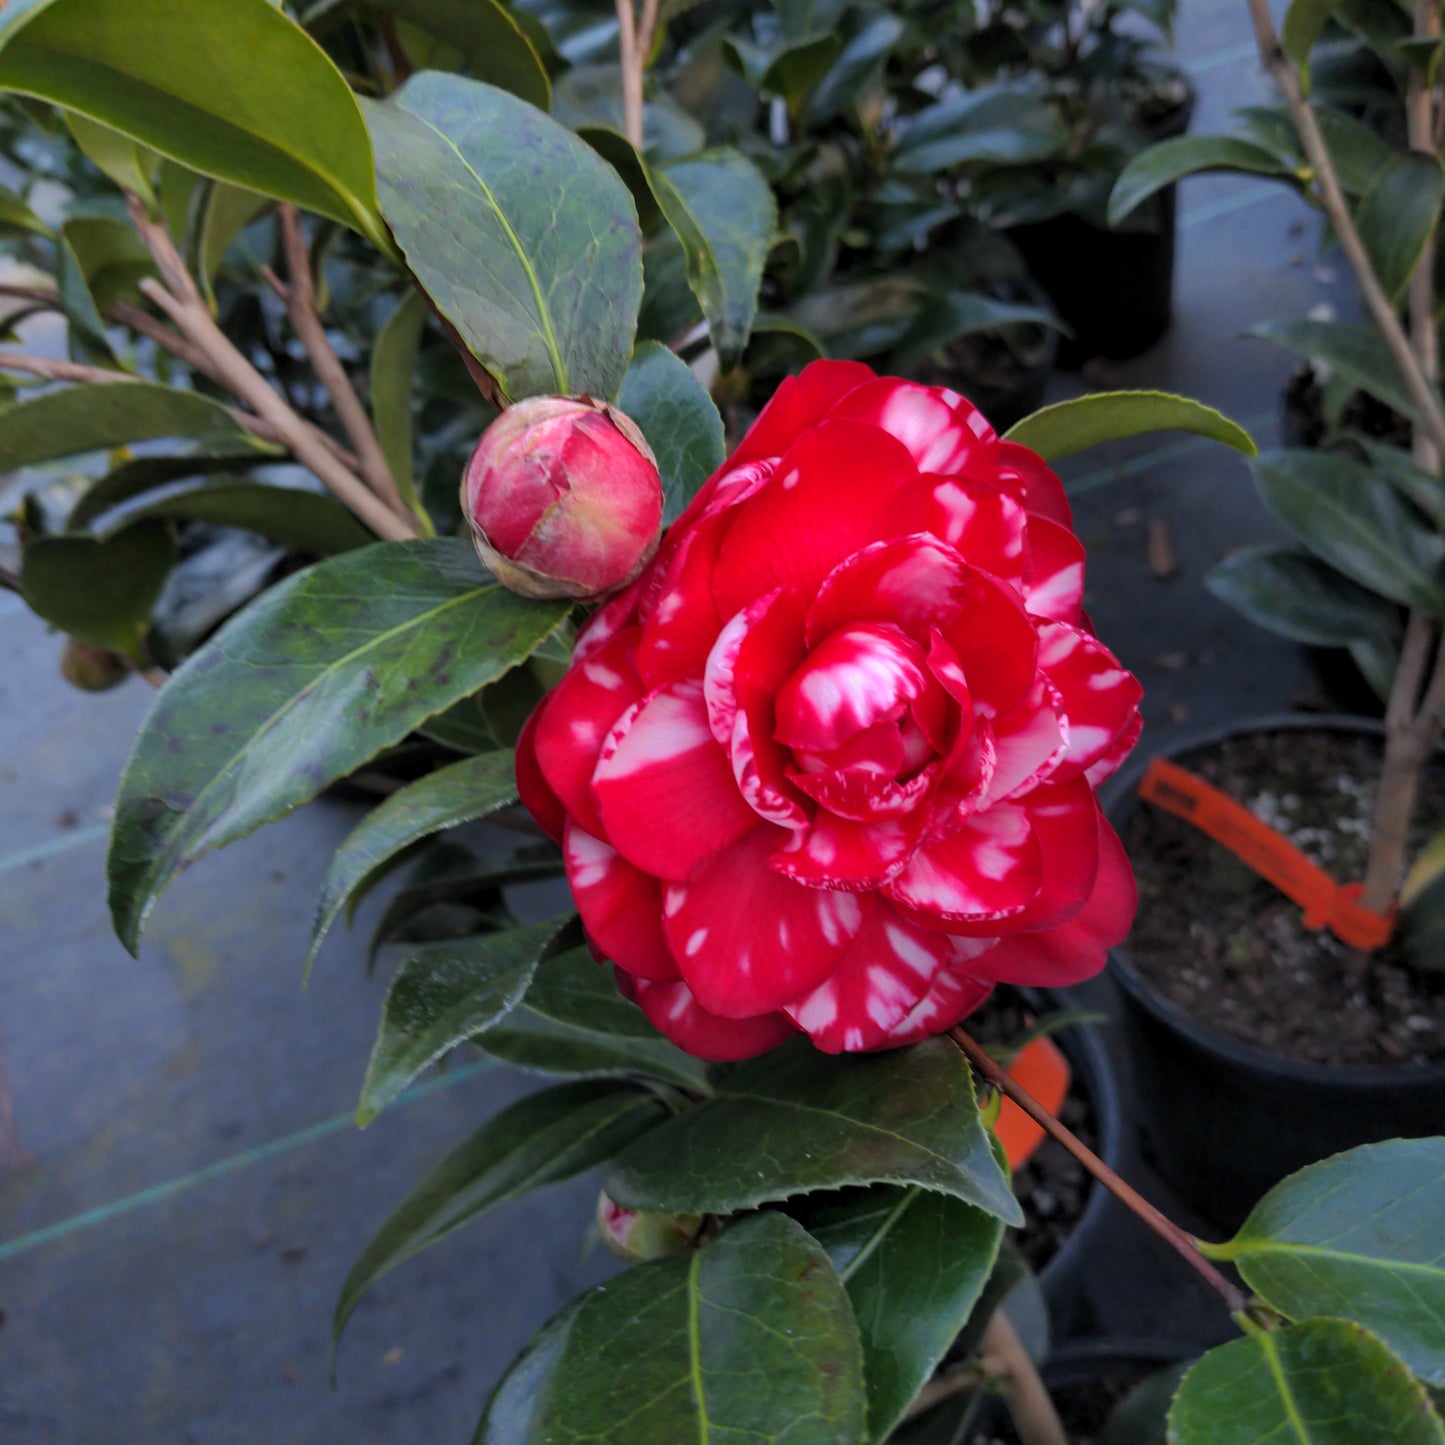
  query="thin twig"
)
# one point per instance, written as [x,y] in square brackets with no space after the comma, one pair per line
[53,369]
[1332,197]
[299,293]
[632,62]
[1182,1243]
[1034,1416]
[179,299]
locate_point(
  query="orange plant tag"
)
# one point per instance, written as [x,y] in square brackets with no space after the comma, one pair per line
[1326,904]
[1041,1070]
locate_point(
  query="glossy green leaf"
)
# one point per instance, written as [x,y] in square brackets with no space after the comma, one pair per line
[1107,416]
[224,212]
[112,257]
[1002,126]
[463,727]
[1355,352]
[130,165]
[1425,489]
[16,215]
[796,1120]
[301,521]
[955,314]
[541,1139]
[724,214]
[88,339]
[139,475]
[1345,514]
[1421,931]
[1398,214]
[591,95]
[623,157]
[234,90]
[862,318]
[1358,150]
[473,788]
[100,415]
[790,70]
[1322,1382]
[393,369]
[521,235]
[1303,22]
[442,995]
[488,35]
[914,1264]
[1360,1236]
[857,67]
[574,1021]
[1294,594]
[100,592]
[678,418]
[747,1339]
[327,669]
[1187,155]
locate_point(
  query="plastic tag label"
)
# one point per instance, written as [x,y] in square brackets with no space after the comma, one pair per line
[1326,903]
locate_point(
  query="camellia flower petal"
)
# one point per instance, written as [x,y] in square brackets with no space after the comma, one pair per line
[828,764]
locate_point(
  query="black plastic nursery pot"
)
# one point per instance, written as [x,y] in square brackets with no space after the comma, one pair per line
[1224,1121]
[1065,1278]
[1113,288]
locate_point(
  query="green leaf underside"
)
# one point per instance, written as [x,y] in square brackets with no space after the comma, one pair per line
[1347,515]
[573,1021]
[546,1137]
[749,1339]
[914,1264]
[1106,416]
[442,995]
[796,1120]
[724,214]
[1360,1236]
[461,793]
[521,235]
[1355,352]
[98,415]
[1294,594]
[234,90]
[678,418]
[319,675]
[100,592]
[1321,1382]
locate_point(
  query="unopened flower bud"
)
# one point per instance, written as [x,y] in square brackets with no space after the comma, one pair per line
[91,669]
[640,1235]
[563,497]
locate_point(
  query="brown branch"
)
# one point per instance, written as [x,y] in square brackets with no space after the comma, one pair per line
[299,293]
[1034,1416]
[1182,1243]
[632,62]
[1332,197]
[179,299]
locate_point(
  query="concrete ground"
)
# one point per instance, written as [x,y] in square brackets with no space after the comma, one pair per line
[193,1189]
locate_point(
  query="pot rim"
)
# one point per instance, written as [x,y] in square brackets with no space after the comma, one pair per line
[1121,798]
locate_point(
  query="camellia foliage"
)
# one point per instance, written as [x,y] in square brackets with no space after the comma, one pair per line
[865,627]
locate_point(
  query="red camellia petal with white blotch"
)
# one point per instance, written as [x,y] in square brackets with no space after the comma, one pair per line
[828,764]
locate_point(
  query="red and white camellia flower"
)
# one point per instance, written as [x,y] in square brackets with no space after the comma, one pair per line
[828,764]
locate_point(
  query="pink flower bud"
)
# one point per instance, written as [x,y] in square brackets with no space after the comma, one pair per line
[563,497]
[639,1235]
